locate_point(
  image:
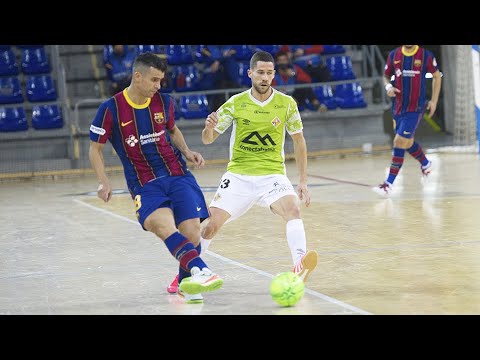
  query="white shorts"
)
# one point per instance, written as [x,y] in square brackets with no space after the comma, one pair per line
[236,193]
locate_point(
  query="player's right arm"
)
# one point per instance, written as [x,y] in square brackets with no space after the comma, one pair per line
[218,122]
[432,67]
[209,135]
[387,76]
[100,131]
[95,154]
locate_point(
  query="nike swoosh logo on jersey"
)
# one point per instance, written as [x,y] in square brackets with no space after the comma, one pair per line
[199,208]
[125,124]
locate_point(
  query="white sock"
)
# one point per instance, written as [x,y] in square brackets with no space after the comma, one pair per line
[296,238]
[205,243]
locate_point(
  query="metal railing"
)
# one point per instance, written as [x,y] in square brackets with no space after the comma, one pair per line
[373,62]
[226,92]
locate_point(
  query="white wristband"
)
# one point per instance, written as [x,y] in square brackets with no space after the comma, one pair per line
[388,87]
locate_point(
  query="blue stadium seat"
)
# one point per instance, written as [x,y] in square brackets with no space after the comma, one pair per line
[40,88]
[13,119]
[179,55]
[176,110]
[197,54]
[168,82]
[350,96]
[194,106]
[8,65]
[313,60]
[308,105]
[340,68]
[46,117]
[272,49]
[5,47]
[333,49]
[242,74]
[10,91]
[35,61]
[325,95]
[186,78]
[243,52]
[107,52]
[140,49]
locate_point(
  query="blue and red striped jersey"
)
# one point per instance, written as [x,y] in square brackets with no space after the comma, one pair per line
[139,135]
[409,70]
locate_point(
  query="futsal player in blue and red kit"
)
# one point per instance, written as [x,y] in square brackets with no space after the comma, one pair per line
[139,122]
[409,64]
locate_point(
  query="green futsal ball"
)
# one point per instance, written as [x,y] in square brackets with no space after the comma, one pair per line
[287,289]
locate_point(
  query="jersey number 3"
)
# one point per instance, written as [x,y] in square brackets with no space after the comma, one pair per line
[224,184]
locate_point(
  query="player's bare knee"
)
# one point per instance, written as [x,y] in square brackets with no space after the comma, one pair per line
[158,229]
[293,212]
[402,142]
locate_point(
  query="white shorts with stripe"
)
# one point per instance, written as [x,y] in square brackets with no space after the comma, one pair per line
[236,193]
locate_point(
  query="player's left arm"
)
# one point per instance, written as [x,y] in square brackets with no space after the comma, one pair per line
[300,149]
[178,140]
[436,86]
[432,68]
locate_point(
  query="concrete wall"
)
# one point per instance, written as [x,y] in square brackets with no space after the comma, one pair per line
[340,129]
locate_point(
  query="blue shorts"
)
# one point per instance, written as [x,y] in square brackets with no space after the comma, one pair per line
[182,194]
[406,124]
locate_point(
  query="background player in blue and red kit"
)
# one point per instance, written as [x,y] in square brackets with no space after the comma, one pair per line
[139,122]
[409,64]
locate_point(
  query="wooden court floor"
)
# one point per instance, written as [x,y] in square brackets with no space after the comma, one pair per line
[63,251]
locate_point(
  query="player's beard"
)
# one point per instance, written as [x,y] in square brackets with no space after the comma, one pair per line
[261,90]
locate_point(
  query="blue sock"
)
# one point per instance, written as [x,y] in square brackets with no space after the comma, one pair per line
[397,162]
[184,251]
[182,274]
[417,152]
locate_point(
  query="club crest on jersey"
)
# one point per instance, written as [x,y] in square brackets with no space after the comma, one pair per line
[158,117]
[276,122]
[417,62]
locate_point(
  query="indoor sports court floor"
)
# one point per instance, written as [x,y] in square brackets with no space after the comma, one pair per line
[63,251]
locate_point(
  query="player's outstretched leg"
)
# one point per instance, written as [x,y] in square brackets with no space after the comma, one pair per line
[202,279]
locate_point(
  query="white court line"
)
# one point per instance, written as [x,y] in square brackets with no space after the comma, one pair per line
[106,212]
[233,262]
[311,292]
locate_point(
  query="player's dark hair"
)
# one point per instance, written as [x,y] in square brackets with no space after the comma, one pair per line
[149,59]
[260,56]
